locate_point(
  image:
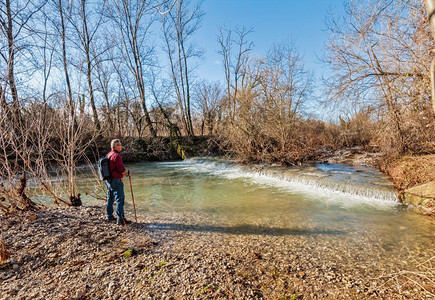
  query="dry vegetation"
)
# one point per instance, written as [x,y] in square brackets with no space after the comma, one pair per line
[380,52]
[409,171]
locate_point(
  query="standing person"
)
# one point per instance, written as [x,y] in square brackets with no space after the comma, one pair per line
[115,186]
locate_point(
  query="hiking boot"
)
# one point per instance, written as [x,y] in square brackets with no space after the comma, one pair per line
[110,219]
[123,221]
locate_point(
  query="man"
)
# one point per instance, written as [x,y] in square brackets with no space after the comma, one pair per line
[115,186]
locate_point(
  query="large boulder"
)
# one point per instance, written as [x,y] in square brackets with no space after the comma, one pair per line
[420,195]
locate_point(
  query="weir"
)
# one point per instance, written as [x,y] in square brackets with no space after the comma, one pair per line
[325,180]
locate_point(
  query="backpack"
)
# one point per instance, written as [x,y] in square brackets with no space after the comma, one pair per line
[103,168]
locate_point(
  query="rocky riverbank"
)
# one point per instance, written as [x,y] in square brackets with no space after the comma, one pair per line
[414,177]
[73,253]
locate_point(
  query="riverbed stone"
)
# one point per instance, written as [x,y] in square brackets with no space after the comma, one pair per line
[182,263]
[420,195]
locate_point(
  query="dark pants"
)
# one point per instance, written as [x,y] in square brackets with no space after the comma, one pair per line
[115,191]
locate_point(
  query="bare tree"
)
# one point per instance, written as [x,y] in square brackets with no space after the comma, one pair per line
[45,41]
[209,98]
[14,19]
[104,73]
[87,26]
[161,91]
[284,86]
[225,42]
[178,28]
[62,31]
[233,63]
[20,148]
[268,123]
[17,152]
[126,95]
[7,22]
[133,20]
[74,136]
[380,53]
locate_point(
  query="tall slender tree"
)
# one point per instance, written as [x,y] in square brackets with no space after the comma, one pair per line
[178,27]
[234,63]
[89,12]
[133,20]
[14,21]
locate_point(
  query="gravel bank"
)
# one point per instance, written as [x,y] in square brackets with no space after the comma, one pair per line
[73,253]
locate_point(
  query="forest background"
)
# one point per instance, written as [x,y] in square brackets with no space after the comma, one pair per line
[75,74]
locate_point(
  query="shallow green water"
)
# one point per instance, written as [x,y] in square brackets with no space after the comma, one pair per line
[335,199]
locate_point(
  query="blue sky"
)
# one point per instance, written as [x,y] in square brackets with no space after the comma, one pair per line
[272,21]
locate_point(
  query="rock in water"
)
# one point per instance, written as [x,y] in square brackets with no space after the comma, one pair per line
[420,195]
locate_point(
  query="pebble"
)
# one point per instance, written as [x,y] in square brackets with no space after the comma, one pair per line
[60,259]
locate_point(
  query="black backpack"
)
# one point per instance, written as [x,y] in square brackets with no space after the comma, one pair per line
[104,169]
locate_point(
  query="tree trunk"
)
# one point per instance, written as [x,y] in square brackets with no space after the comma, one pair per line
[86,42]
[147,115]
[189,114]
[430,6]
[141,88]
[3,103]
[109,117]
[65,65]
[11,75]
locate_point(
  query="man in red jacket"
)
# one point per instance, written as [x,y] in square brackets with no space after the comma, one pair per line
[115,186]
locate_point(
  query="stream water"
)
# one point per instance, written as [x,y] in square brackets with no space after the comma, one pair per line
[334,198]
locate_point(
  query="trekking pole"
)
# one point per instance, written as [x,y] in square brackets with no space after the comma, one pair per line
[132,196]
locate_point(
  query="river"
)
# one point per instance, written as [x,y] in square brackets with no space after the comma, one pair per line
[353,210]
[332,197]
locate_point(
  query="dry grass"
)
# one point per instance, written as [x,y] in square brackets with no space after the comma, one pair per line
[409,171]
[406,282]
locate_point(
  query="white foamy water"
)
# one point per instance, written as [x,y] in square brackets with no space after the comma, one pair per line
[345,187]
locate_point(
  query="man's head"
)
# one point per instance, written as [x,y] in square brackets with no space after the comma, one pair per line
[116,145]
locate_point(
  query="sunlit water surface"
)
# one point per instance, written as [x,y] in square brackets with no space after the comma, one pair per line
[356,201]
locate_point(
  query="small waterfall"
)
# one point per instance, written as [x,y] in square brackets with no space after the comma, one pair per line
[342,181]
[348,188]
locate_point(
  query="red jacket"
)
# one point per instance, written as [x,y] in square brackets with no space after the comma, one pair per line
[116,165]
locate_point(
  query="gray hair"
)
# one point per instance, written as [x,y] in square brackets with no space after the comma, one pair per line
[114,143]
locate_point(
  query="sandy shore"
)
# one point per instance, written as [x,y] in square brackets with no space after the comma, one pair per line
[73,253]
